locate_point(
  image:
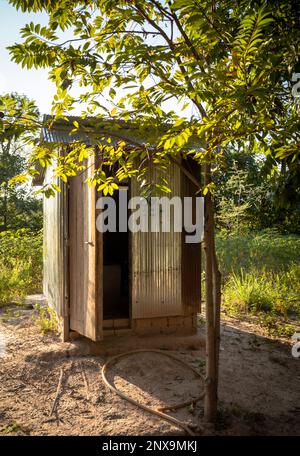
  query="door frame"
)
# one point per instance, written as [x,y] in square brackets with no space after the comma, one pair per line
[120,323]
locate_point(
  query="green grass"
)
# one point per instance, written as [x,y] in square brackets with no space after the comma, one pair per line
[263,291]
[264,251]
[261,276]
[20,265]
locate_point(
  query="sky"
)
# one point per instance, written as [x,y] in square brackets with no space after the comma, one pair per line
[14,78]
[32,83]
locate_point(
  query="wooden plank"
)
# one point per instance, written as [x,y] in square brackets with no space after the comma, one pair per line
[116,323]
[73,250]
[99,278]
[65,261]
[85,298]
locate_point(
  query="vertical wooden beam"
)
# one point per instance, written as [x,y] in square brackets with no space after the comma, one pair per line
[65,259]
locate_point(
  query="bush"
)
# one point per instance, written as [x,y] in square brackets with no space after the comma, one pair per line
[21,264]
[261,274]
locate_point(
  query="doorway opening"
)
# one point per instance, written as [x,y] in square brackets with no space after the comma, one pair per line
[116,271]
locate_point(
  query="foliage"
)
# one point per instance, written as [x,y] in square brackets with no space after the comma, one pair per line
[19,118]
[261,274]
[277,326]
[14,281]
[10,312]
[20,264]
[11,429]
[266,250]
[235,201]
[255,291]
[233,61]
[246,198]
[45,318]
[18,209]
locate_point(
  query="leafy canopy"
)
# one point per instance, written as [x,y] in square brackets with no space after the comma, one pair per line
[232,61]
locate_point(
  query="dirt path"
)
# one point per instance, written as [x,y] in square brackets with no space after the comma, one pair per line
[259,386]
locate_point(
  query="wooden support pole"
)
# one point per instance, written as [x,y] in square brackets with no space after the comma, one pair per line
[212,298]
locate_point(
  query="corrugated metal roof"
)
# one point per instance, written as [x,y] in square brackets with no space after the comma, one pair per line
[60,136]
[93,130]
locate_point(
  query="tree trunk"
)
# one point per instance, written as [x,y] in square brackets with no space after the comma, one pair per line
[217,304]
[4,227]
[212,306]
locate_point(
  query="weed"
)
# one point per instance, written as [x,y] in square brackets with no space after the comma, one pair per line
[201,363]
[45,318]
[7,315]
[13,428]
[200,320]
[276,326]
[191,408]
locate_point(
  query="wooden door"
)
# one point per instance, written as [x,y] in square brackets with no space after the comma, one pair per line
[85,254]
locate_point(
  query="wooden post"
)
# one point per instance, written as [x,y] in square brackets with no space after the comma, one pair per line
[212,298]
[217,304]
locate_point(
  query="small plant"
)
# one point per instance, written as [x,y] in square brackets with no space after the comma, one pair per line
[200,319]
[5,317]
[276,326]
[201,363]
[191,408]
[45,318]
[13,428]
[248,292]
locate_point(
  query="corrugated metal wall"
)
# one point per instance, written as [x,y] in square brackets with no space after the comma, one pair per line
[156,264]
[53,255]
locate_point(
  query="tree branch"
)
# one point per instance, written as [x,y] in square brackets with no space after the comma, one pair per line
[177,58]
[184,35]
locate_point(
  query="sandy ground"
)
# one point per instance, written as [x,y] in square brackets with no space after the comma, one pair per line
[259,385]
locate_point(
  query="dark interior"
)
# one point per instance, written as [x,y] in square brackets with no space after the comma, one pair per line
[115,272]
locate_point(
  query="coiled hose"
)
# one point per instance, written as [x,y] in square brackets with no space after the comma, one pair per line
[160,410]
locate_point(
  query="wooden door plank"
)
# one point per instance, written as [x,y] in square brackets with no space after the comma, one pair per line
[85,299]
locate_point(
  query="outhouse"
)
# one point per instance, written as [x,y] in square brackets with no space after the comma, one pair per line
[114,282]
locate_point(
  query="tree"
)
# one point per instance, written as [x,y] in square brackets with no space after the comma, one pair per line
[18,208]
[247,197]
[219,57]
